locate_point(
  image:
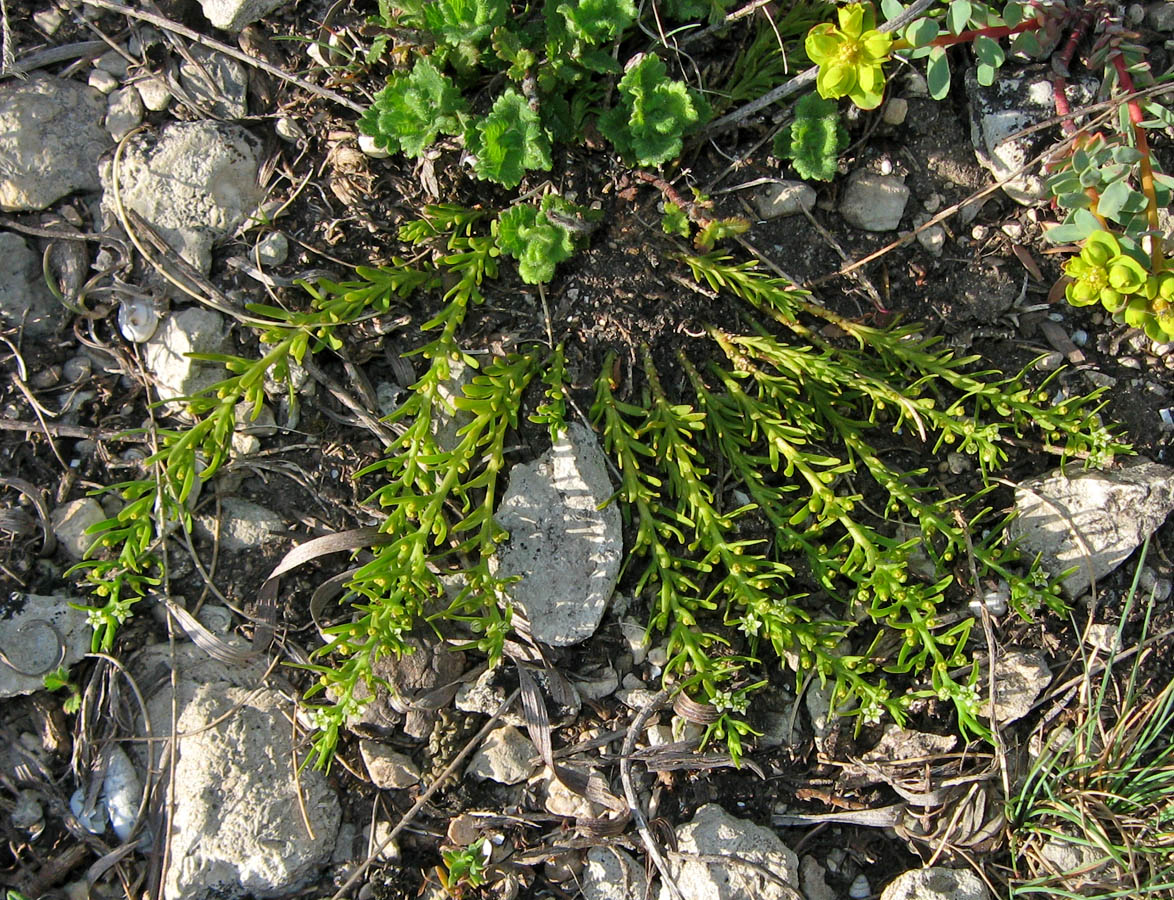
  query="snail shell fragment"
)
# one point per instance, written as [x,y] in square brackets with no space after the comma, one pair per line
[137,319]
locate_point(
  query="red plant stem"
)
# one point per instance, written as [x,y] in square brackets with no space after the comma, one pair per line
[1060,66]
[1147,169]
[996,32]
[670,193]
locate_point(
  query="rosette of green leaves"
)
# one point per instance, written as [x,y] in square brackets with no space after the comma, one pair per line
[1103,273]
[1105,173]
[815,140]
[536,237]
[850,56]
[653,114]
[509,141]
[464,25]
[576,28]
[413,109]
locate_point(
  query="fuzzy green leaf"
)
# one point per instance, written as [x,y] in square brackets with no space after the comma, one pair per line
[413,109]
[594,22]
[815,139]
[674,220]
[536,241]
[653,113]
[465,24]
[509,141]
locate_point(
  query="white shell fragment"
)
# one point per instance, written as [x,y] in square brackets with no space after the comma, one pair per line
[123,791]
[137,319]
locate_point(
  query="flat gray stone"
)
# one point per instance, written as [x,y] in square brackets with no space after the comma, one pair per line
[194,182]
[566,548]
[216,82]
[937,883]
[425,667]
[1091,520]
[611,874]
[24,298]
[874,202]
[193,330]
[38,634]
[70,521]
[237,828]
[786,198]
[387,768]
[754,862]
[244,525]
[51,136]
[505,757]
[233,15]
[124,112]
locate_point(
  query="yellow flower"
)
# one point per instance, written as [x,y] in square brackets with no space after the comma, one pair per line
[850,57]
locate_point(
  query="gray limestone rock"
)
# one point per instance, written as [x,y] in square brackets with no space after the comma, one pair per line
[504,757]
[387,768]
[70,521]
[244,525]
[237,829]
[732,859]
[24,299]
[233,15]
[216,82]
[936,883]
[194,330]
[1089,519]
[784,198]
[195,183]
[1007,107]
[38,634]
[611,874]
[124,112]
[874,202]
[51,136]
[564,546]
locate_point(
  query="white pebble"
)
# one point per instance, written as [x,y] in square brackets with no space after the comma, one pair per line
[273,249]
[154,92]
[886,166]
[289,130]
[860,888]
[101,80]
[368,146]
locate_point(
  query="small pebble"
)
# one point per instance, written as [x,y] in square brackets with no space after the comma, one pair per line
[48,20]
[368,146]
[112,62]
[155,94]
[289,130]
[1129,362]
[932,203]
[124,112]
[1167,419]
[76,369]
[979,232]
[1079,337]
[896,111]
[886,166]
[273,249]
[1013,230]
[101,80]
[860,888]
[1049,362]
